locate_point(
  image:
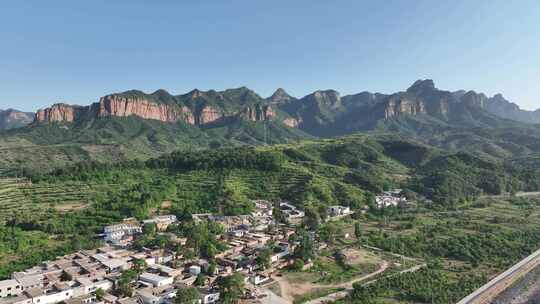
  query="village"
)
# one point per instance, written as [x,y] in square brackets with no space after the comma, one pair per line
[122,271]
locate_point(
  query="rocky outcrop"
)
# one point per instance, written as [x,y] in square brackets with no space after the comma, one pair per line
[292,122]
[119,106]
[208,114]
[327,98]
[60,112]
[473,99]
[257,112]
[401,105]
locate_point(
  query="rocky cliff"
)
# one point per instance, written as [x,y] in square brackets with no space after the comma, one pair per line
[61,112]
[323,112]
[197,109]
[119,106]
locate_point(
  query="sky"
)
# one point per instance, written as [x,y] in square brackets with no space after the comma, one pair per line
[76,51]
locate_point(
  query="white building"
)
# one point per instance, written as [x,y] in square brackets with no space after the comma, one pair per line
[49,296]
[10,288]
[195,270]
[291,211]
[392,198]
[156,280]
[115,233]
[338,210]
[208,296]
[259,279]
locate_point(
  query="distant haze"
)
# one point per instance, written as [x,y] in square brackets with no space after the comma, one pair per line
[76,51]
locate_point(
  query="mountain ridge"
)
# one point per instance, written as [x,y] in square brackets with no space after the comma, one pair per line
[308,112]
[137,124]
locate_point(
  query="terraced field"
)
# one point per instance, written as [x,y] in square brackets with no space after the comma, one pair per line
[20,196]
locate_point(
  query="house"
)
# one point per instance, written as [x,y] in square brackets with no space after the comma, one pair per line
[259,279]
[338,210]
[88,285]
[85,299]
[262,208]
[195,270]
[147,297]
[392,198]
[161,221]
[155,280]
[52,295]
[10,288]
[208,296]
[166,271]
[120,233]
[290,211]
[131,300]
[19,299]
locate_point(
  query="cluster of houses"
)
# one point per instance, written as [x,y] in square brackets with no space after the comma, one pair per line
[75,278]
[392,198]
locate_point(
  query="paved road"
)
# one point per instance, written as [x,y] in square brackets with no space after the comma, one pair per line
[487,292]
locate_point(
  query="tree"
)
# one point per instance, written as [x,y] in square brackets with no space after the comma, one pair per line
[208,250]
[323,212]
[305,250]
[263,259]
[139,265]
[357,231]
[298,265]
[312,219]
[188,295]
[189,254]
[328,232]
[278,215]
[124,283]
[231,287]
[341,259]
[211,268]
[150,229]
[200,280]
[100,294]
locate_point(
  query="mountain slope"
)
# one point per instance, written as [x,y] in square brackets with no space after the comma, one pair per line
[11,118]
[498,105]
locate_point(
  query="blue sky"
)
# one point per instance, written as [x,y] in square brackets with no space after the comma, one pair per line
[77,51]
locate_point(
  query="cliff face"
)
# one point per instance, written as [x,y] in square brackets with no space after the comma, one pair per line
[257,113]
[208,114]
[119,106]
[400,105]
[60,113]
[149,108]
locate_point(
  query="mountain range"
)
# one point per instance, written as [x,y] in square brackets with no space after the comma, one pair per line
[135,124]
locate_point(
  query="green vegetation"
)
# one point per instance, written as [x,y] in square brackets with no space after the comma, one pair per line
[428,285]
[188,295]
[453,219]
[231,287]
